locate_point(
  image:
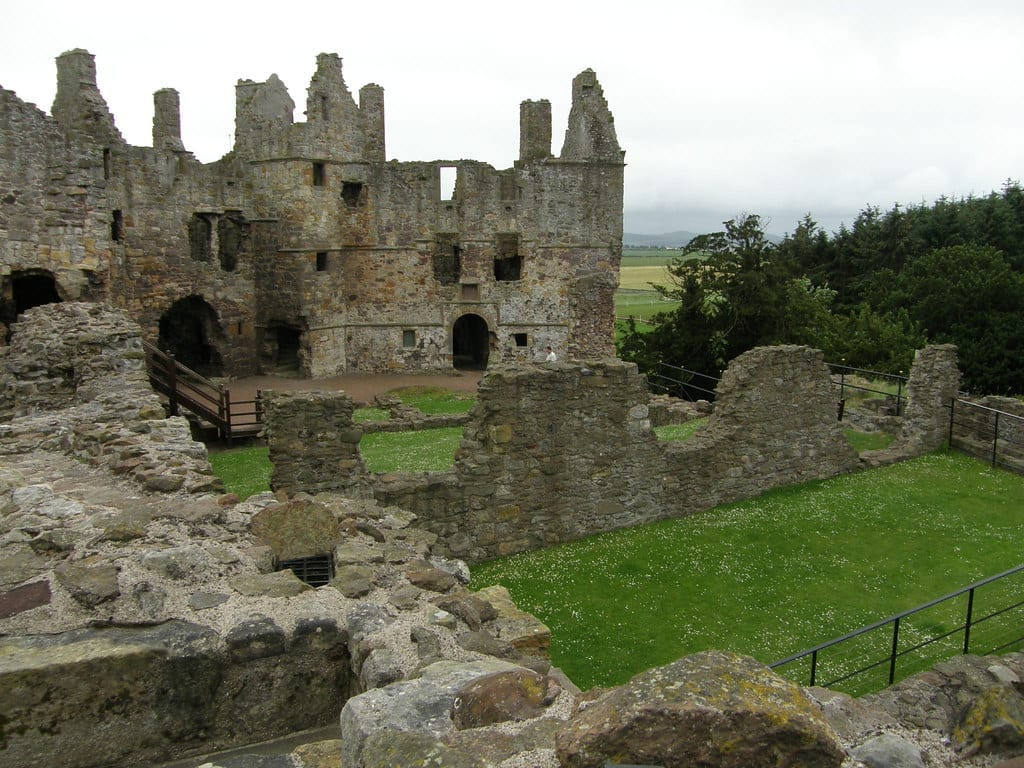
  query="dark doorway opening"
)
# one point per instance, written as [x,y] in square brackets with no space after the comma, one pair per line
[280,349]
[187,331]
[23,291]
[470,343]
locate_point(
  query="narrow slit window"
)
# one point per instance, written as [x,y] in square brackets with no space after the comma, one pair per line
[117,226]
[321,261]
[325,112]
[106,162]
[319,174]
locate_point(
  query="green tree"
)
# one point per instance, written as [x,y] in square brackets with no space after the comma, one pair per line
[736,290]
[970,296]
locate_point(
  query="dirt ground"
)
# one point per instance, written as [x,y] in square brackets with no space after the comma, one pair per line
[361,387]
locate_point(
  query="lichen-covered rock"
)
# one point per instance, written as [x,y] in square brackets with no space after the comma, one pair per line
[421,706]
[513,695]
[297,528]
[993,722]
[526,633]
[711,708]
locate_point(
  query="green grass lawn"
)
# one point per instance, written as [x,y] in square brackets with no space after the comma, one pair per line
[774,575]
[246,470]
[435,400]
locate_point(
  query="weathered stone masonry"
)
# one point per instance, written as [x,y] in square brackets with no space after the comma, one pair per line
[304,246]
[554,452]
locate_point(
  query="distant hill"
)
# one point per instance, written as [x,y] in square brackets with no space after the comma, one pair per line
[671,239]
[667,240]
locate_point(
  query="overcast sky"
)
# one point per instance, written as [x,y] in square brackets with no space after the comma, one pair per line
[723,106]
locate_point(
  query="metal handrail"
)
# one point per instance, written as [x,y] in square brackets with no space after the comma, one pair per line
[678,381]
[895,652]
[1002,435]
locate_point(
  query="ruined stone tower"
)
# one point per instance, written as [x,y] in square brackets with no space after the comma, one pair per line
[304,247]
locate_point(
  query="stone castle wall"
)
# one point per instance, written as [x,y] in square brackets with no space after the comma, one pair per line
[555,452]
[305,236]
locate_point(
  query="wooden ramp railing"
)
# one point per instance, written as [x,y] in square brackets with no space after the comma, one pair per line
[210,402]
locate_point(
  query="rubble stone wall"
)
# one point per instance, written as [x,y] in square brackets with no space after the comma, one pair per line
[555,452]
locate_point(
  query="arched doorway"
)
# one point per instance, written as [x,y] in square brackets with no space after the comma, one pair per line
[24,290]
[187,331]
[470,343]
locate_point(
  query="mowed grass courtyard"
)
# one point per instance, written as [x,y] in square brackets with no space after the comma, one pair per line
[766,577]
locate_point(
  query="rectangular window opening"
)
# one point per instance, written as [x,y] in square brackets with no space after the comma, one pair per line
[448,176]
[447,259]
[408,338]
[316,571]
[319,174]
[508,264]
[321,261]
[520,339]
[351,192]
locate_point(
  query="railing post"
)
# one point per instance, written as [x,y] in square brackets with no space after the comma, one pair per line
[995,439]
[895,646]
[842,385]
[899,394]
[952,404]
[814,666]
[172,383]
[967,622]
[225,411]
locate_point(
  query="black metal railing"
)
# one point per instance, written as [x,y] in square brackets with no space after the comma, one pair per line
[209,401]
[843,376]
[1004,593]
[987,433]
[681,382]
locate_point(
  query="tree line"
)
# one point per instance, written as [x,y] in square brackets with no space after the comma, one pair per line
[868,295]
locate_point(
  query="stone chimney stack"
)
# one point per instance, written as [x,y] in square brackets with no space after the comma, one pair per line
[371,108]
[534,130]
[167,120]
[79,106]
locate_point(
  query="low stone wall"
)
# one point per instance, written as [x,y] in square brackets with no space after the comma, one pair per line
[555,452]
[165,691]
[975,429]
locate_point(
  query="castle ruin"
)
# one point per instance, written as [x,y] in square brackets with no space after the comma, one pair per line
[304,247]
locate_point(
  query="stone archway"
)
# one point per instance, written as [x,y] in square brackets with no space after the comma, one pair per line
[470,343]
[188,330]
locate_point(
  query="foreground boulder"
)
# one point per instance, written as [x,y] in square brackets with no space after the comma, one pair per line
[711,708]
